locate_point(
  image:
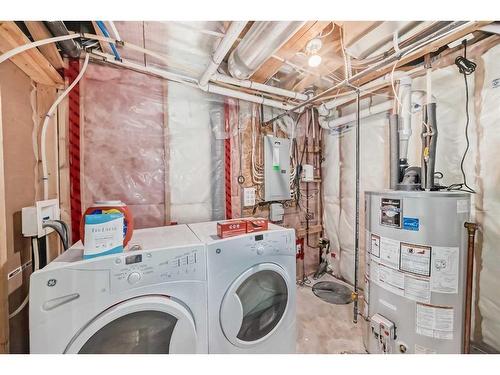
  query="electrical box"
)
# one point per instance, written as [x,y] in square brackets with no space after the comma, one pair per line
[307,173]
[276,169]
[276,212]
[34,216]
[384,333]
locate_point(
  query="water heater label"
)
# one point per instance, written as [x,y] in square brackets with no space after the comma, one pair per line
[434,321]
[444,273]
[411,223]
[415,259]
[390,212]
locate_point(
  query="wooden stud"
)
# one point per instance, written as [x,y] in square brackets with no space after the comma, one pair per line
[4,293]
[31,62]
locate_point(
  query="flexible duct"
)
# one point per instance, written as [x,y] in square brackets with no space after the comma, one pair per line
[259,44]
[69,47]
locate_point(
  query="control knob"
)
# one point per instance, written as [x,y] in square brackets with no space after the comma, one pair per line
[260,250]
[134,277]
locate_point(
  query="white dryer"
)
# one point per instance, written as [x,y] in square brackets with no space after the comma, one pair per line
[251,290]
[149,300]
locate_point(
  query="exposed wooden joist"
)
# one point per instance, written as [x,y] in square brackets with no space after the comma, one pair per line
[354,30]
[295,44]
[104,46]
[39,31]
[430,48]
[31,62]
[4,294]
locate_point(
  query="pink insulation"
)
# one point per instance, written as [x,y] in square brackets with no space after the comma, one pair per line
[123,142]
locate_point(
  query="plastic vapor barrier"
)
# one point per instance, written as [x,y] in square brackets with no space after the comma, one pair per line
[151,144]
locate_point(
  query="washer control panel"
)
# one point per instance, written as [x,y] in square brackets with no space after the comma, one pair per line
[139,268]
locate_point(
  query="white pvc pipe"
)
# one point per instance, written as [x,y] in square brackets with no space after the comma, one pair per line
[376,109]
[115,31]
[217,77]
[50,113]
[7,55]
[405,113]
[223,48]
[189,81]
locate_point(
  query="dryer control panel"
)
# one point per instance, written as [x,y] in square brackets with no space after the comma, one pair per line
[269,243]
[140,268]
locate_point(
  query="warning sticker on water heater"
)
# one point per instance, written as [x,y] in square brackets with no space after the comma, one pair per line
[375,245]
[389,252]
[444,274]
[415,259]
[434,321]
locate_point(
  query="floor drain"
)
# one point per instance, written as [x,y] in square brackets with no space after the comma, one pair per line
[333,292]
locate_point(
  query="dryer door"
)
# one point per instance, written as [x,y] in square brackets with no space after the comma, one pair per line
[255,305]
[142,325]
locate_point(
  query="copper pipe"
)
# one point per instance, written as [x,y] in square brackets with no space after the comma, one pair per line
[471,231]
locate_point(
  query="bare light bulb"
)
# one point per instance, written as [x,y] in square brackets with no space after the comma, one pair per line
[314,61]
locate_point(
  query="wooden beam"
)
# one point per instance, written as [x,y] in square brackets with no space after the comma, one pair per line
[295,44]
[430,48]
[104,46]
[4,293]
[354,30]
[39,31]
[31,62]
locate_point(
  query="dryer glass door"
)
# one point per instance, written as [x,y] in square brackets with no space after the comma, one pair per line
[142,325]
[255,304]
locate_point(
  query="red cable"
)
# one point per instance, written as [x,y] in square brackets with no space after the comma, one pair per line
[74,148]
[227,157]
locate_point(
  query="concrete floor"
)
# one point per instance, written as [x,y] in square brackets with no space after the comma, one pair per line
[325,328]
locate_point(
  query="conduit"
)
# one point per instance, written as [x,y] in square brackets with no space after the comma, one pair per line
[223,48]
[50,113]
[69,47]
[217,77]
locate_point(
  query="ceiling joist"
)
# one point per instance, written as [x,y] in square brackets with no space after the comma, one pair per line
[31,62]
[295,44]
[39,31]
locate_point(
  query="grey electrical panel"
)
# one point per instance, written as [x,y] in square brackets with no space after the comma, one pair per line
[276,169]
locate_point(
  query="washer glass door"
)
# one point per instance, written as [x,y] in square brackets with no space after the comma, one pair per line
[255,304]
[141,325]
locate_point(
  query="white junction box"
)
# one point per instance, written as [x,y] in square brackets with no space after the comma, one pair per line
[34,216]
[248,197]
[307,173]
[276,212]
[276,169]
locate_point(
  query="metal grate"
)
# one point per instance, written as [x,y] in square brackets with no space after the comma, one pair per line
[333,292]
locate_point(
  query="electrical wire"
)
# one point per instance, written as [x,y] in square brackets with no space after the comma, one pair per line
[104,30]
[36,265]
[465,67]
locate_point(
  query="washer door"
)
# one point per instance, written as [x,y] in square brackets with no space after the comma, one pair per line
[255,304]
[142,325]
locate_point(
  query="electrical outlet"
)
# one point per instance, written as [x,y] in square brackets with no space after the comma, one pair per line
[34,216]
[248,197]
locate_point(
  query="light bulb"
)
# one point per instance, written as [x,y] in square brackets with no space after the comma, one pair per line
[314,61]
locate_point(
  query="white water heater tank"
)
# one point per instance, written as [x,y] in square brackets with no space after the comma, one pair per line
[416,255]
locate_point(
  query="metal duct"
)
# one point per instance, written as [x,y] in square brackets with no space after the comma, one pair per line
[394,151]
[68,47]
[259,44]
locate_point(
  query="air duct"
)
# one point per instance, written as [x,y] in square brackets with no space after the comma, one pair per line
[68,47]
[259,44]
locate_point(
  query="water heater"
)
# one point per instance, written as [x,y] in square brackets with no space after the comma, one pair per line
[416,255]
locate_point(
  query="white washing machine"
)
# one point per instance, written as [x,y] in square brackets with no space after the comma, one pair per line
[251,290]
[149,300]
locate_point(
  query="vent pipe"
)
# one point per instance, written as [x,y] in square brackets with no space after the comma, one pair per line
[69,47]
[259,44]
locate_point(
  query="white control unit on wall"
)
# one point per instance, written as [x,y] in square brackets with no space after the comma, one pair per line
[276,169]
